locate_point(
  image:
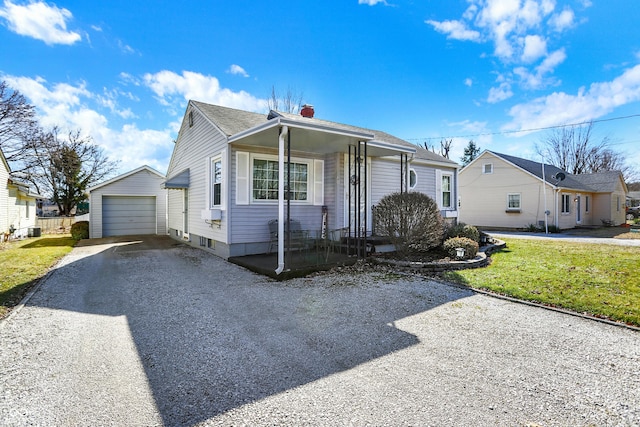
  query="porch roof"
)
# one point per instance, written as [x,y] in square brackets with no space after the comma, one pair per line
[315,137]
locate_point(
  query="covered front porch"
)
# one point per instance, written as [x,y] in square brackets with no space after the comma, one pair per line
[348,185]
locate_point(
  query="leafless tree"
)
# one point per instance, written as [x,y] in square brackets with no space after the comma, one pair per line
[63,168]
[445,147]
[576,150]
[290,102]
[17,123]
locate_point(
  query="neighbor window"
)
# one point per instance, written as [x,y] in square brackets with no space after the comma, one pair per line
[265,180]
[413,179]
[27,206]
[618,203]
[566,203]
[487,168]
[586,203]
[216,182]
[513,202]
[446,191]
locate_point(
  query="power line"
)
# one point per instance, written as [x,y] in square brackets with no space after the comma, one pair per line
[525,130]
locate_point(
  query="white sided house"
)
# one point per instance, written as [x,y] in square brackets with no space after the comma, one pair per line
[227,177]
[129,204]
[17,204]
[502,191]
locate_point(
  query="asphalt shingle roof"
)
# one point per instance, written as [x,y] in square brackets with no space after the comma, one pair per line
[602,182]
[232,121]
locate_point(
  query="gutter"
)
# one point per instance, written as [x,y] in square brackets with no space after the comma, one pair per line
[283,134]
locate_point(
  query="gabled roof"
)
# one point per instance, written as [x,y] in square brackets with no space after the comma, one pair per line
[602,182]
[233,121]
[126,174]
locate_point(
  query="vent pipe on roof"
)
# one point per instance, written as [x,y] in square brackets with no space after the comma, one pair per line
[307,111]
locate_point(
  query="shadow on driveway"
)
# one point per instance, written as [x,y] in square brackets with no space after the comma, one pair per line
[212,336]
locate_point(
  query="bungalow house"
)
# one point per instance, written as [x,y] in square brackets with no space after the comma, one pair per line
[228,173]
[501,191]
[17,204]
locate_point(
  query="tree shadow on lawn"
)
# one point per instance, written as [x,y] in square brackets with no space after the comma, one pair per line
[48,242]
[213,336]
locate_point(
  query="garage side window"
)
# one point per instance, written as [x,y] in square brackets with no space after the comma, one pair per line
[216,182]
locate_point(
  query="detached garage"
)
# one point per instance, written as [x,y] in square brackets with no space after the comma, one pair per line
[132,203]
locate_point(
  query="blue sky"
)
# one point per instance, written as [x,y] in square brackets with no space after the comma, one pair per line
[487,70]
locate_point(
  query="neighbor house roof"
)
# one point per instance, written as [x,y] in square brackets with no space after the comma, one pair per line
[602,182]
[233,121]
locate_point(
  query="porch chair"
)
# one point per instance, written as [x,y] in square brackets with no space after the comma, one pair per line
[299,240]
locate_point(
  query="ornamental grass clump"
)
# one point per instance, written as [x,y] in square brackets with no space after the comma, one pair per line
[470,247]
[412,221]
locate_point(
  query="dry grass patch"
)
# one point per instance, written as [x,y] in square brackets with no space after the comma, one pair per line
[24,262]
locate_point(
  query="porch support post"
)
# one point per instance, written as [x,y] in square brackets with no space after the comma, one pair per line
[366,208]
[283,134]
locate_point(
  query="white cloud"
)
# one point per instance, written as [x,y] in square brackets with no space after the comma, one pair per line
[237,70]
[172,89]
[468,82]
[561,108]
[455,30]
[535,47]
[563,20]
[538,78]
[41,21]
[500,93]
[372,2]
[66,106]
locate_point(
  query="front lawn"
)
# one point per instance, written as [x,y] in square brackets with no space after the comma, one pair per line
[600,280]
[24,262]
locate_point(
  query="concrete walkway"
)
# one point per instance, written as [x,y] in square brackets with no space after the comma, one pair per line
[136,334]
[581,238]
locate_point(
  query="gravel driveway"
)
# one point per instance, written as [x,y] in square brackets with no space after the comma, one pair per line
[125,335]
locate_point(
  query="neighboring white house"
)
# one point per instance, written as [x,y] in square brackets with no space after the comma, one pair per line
[129,204]
[226,176]
[502,191]
[17,203]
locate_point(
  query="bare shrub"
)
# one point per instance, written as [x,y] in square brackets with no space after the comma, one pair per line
[462,230]
[412,221]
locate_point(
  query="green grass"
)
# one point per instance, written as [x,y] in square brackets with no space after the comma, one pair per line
[600,280]
[24,262]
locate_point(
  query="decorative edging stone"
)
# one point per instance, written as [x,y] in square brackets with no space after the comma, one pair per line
[481,260]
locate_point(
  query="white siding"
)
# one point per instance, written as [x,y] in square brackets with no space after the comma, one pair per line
[141,183]
[4,197]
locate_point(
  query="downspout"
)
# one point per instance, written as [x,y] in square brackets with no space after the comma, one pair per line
[283,134]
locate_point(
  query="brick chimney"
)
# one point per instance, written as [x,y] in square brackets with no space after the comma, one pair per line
[307,111]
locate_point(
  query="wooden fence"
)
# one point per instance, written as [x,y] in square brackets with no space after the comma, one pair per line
[58,224]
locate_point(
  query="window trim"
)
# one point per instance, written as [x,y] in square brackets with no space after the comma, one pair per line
[563,204]
[514,209]
[297,160]
[484,168]
[415,174]
[212,172]
[442,192]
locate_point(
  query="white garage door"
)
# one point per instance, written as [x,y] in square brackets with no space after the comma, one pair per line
[125,215]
